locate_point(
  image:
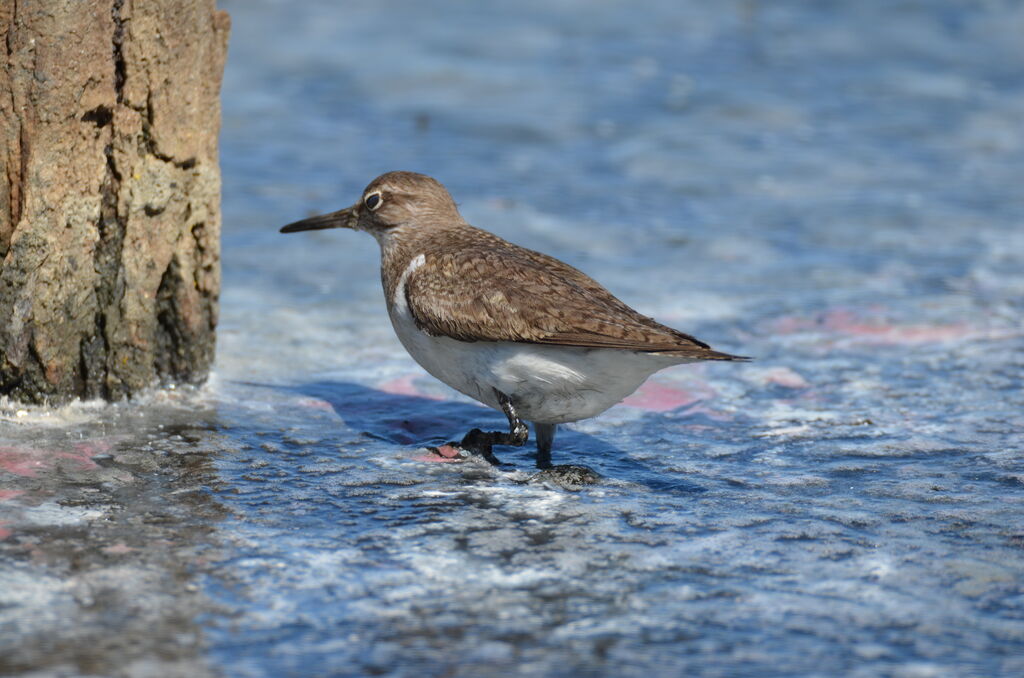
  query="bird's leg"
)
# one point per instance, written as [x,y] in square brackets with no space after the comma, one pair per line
[481,442]
[517,431]
[545,434]
[570,477]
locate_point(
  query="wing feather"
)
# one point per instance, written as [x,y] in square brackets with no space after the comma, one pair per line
[509,293]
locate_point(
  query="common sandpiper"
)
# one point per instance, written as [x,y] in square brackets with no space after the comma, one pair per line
[515,329]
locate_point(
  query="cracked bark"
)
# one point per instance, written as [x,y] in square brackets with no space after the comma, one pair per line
[109,195]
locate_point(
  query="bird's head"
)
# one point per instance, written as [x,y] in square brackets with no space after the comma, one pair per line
[395,200]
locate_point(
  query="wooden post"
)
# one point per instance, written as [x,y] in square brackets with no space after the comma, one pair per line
[109,195]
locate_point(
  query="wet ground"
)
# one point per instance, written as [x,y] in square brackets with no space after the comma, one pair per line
[833,188]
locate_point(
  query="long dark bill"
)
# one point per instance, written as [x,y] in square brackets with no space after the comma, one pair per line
[345,218]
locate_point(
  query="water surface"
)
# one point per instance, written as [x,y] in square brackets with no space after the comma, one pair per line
[833,188]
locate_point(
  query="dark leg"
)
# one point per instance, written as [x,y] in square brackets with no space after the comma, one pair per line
[568,477]
[481,442]
[545,434]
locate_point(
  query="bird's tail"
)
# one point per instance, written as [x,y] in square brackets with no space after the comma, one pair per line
[718,355]
[706,354]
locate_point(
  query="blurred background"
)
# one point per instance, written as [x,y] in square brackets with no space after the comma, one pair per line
[833,188]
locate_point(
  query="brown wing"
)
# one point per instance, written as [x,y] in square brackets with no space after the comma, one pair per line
[508,293]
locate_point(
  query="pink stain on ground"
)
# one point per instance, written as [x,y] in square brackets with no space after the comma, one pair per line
[4,532]
[406,386]
[876,331]
[316,404]
[445,454]
[27,461]
[783,376]
[91,448]
[658,397]
[118,548]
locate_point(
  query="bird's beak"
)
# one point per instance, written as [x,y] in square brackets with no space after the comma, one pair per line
[345,218]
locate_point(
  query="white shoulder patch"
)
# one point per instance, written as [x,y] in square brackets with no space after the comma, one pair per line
[399,299]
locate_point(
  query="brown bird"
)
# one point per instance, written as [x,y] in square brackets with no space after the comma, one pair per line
[515,329]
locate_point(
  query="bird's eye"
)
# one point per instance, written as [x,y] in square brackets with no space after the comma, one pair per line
[372,201]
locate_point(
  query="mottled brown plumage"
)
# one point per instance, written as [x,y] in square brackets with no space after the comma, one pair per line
[483,288]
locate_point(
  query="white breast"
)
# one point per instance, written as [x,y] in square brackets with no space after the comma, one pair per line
[548,384]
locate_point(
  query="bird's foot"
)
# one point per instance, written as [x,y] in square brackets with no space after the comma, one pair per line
[567,476]
[476,443]
[479,443]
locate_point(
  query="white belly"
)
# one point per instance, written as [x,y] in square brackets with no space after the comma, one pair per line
[547,384]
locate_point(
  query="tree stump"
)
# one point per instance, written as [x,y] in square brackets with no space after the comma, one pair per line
[109,195]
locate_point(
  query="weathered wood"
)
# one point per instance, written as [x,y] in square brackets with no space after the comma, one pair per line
[109,195]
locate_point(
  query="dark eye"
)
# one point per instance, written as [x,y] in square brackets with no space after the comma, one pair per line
[372,201]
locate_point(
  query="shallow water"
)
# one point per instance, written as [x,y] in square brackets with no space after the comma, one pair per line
[830,187]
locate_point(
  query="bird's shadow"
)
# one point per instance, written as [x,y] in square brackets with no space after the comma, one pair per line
[415,421]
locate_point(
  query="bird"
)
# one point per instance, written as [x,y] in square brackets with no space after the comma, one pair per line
[517,330]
